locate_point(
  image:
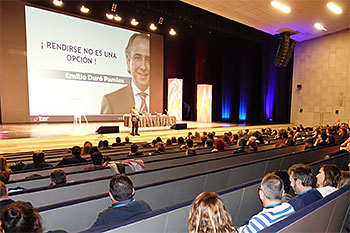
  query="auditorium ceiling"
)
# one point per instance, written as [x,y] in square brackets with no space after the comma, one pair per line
[260,14]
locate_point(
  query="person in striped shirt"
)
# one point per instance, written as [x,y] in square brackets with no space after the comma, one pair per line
[270,194]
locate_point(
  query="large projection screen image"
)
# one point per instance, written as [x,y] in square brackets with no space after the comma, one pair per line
[81,67]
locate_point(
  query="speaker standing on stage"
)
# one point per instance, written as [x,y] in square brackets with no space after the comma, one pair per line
[135,121]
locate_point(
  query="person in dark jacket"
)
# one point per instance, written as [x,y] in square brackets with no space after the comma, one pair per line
[4,198]
[74,158]
[38,161]
[121,192]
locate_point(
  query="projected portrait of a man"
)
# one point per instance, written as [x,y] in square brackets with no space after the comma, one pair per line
[137,93]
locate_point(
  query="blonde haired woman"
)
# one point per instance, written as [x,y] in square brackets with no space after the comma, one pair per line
[208,214]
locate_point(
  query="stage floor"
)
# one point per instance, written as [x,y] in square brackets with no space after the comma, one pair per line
[29,137]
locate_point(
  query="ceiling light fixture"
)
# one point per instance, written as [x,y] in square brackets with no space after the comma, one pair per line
[152,27]
[57,2]
[117,18]
[281,6]
[172,32]
[336,9]
[319,26]
[84,9]
[134,22]
[109,16]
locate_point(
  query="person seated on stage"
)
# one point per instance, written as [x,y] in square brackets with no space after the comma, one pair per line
[74,158]
[57,177]
[96,160]
[219,145]
[302,179]
[121,192]
[4,196]
[270,194]
[344,179]
[118,142]
[208,214]
[86,148]
[38,161]
[328,178]
[20,216]
[134,150]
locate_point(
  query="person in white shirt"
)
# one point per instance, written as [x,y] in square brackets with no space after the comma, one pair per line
[328,178]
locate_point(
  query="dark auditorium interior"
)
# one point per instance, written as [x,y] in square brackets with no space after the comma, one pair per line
[125,115]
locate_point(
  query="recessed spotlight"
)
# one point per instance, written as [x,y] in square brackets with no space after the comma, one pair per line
[109,16]
[172,32]
[117,18]
[134,22]
[281,6]
[57,2]
[84,9]
[319,26]
[336,9]
[152,27]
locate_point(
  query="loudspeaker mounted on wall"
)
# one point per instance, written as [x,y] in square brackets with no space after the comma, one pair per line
[337,111]
[285,49]
[107,129]
[301,110]
[299,87]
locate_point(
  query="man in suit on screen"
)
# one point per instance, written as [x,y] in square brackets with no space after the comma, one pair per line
[137,92]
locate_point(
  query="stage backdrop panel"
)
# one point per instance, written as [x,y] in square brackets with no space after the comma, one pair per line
[175,97]
[204,102]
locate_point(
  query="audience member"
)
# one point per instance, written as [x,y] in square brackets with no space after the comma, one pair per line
[208,215]
[93,150]
[96,161]
[209,142]
[134,150]
[330,140]
[321,140]
[86,148]
[219,145]
[121,192]
[241,143]
[190,150]
[74,158]
[118,142]
[20,216]
[283,174]
[270,194]
[4,170]
[180,141]
[169,142]
[173,140]
[38,161]
[127,140]
[344,179]
[57,177]
[117,167]
[252,144]
[302,179]
[160,148]
[4,198]
[309,144]
[328,178]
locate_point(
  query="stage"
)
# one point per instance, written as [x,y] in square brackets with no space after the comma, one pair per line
[30,137]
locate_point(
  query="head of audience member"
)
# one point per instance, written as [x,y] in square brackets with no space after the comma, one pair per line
[86,148]
[252,144]
[271,189]
[344,179]
[208,214]
[76,151]
[20,216]
[203,140]
[323,137]
[309,142]
[3,164]
[283,174]
[209,143]
[211,136]
[121,188]
[226,139]
[153,143]
[173,139]
[100,144]
[127,139]
[160,147]
[343,132]
[118,140]
[189,143]
[168,142]
[330,140]
[97,158]
[241,144]
[58,176]
[328,175]
[3,191]
[105,144]
[134,148]
[301,177]
[38,158]
[197,135]
[219,144]
[93,150]
[159,139]
[180,141]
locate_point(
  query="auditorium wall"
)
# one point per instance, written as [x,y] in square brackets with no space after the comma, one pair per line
[322,68]
[14,100]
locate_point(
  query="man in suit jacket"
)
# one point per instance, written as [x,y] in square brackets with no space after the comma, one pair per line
[137,92]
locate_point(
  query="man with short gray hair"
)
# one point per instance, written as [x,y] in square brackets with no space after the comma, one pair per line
[270,193]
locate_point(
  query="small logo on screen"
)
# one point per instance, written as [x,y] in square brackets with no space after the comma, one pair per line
[41,118]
